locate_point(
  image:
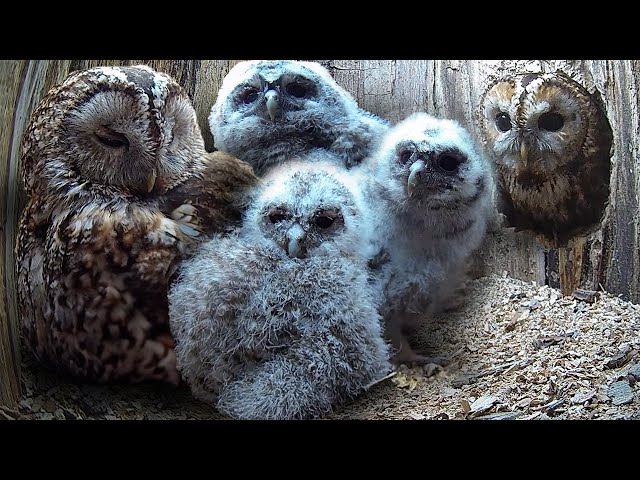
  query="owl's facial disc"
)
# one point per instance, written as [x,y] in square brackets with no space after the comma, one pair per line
[117,146]
[270,94]
[538,141]
[111,138]
[119,142]
[432,171]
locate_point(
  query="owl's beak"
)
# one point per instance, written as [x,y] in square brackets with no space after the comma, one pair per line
[415,171]
[273,107]
[151,181]
[524,154]
[295,241]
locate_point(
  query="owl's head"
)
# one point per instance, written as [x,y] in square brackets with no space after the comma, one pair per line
[307,209]
[429,162]
[130,127]
[535,122]
[262,100]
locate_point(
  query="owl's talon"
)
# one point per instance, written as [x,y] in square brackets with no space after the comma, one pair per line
[427,366]
[186,218]
[187,230]
[123,250]
[184,210]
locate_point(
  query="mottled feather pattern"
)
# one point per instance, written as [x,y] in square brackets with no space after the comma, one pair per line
[120,191]
[552,143]
[218,189]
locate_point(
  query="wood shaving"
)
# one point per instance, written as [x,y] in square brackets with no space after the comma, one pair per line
[520,352]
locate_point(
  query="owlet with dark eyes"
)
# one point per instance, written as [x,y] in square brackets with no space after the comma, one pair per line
[269,111]
[552,143]
[431,190]
[120,189]
[280,321]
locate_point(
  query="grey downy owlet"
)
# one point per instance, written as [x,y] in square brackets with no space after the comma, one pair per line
[280,321]
[269,111]
[432,192]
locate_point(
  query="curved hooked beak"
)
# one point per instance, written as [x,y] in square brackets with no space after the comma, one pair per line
[415,171]
[524,154]
[273,107]
[151,181]
[295,241]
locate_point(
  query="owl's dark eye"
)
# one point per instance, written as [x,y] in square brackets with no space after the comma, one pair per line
[503,122]
[324,221]
[276,217]
[552,122]
[404,157]
[296,90]
[112,139]
[249,95]
[449,162]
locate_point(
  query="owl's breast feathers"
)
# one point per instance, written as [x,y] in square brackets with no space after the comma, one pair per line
[105,273]
[96,267]
[557,205]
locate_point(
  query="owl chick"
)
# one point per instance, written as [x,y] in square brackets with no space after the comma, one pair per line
[268,111]
[432,191]
[280,321]
[120,190]
[551,142]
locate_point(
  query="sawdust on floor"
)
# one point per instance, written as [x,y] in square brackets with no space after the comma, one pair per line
[516,350]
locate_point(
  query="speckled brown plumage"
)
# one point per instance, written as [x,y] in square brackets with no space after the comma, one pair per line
[120,191]
[551,142]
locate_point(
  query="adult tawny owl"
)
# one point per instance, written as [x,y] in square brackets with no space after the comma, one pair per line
[551,142]
[432,193]
[280,321]
[268,111]
[120,190]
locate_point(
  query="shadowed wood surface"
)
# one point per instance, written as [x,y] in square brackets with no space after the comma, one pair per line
[608,259]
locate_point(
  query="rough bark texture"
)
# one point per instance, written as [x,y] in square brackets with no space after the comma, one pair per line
[608,259]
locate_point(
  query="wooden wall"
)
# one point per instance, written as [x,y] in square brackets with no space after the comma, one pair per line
[608,259]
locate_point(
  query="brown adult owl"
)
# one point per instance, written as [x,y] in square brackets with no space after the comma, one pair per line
[551,143]
[120,190]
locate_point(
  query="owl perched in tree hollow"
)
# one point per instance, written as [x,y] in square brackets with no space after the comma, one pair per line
[432,191]
[268,111]
[119,190]
[551,142]
[280,321]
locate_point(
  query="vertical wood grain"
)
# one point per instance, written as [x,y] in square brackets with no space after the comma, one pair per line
[393,89]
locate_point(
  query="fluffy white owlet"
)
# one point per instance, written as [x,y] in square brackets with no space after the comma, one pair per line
[552,143]
[280,321]
[269,111]
[120,189]
[433,193]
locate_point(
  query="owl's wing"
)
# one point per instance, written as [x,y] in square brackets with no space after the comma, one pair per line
[358,140]
[218,193]
[107,271]
[31,294]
